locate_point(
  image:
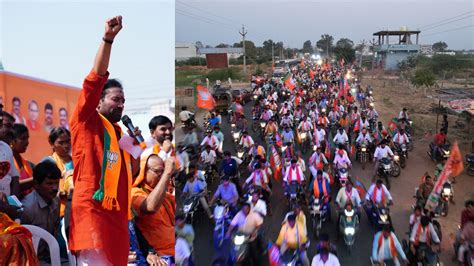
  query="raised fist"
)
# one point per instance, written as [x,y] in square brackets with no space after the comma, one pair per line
[112,27]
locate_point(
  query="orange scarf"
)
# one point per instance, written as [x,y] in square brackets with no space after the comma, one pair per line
[374,197]
[298,176]
[16,247]
[262,180]
[316,188]
[393,250]
[418,233]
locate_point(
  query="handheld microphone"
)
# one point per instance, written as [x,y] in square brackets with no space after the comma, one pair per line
[128,123]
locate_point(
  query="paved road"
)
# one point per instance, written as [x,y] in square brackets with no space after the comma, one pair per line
[402,192]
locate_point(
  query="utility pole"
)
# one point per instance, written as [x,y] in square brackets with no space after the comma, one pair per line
[273,57]
[243,33]
[361,53]
[372,43]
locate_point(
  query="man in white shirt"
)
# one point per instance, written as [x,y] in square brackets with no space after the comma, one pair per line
[387,247]
[287,135]
[185,115]
[382,151]
[210,140]
[325,258]
[400,137]
[316,161]
[258,205]
[348,194]
[403,115]
[258,178]
[379,194]
[423,233]
[341,160]
[341,138]
[293,173]
[319,135]
[363,137]
[286,121]
[246,140]
[208,157]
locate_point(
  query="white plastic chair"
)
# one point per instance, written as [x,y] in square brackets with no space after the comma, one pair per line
[38,234]
[70,256]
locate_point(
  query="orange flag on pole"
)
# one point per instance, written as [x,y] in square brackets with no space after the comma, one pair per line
[204,98]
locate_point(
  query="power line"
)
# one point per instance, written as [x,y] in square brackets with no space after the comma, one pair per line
[446,19]
[207,18]
[455,29]
[203,19]
[205,11]
[433,27]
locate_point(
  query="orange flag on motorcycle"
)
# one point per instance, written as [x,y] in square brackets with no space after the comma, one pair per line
[327,152]
[204,98]
[352,150]
[456,160]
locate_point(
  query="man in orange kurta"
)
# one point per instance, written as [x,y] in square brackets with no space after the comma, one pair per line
[98,236]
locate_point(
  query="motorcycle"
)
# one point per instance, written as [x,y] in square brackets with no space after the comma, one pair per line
[291,257]
[349,225]
[263,125]
[255,123]
[305,142]
[208,173]
[222,220]
[446,196]
[319,213]
[243,154]
[294,192]
[190,123]
[342,176]
[442,153]
[401,151]
[470,164]
[363,154]
[378,216]
[239,251]
[190,206]
[388,169]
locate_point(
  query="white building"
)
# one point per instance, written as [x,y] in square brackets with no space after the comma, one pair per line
[426,49]
[184,51]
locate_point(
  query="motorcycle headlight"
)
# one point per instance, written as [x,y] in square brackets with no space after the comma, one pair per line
[239,240]
[303,135]
[187,208]
[349,213]
[284,93]
[410,122]
[240,154]
[262,124]
[383,217]
[232,125]
[349,231]
[396,157]
[203,172]
[283,148]
[364,149]
[323,110]
[255,97]
[315,148]
[447,152]
[371,104]
[446,191]
[236,135]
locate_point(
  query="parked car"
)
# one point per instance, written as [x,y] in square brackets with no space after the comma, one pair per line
[223,99]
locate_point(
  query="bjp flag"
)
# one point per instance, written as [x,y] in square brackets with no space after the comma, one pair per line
[204,98]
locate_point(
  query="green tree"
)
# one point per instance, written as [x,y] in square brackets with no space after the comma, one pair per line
[325,44]
[250,50]
[344,49]
[439,46]
[222,45]
[423,78]
[307,47]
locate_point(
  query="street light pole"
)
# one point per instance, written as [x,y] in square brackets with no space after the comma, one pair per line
[243,33]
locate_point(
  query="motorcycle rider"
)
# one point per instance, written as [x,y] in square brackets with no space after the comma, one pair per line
[266,114]
[424,191]
[220,137]
[364,136]
[424,234]
[287,135]
[325,258]
[185,116]
[321,187]
[210,140]
[400,137]
[316,159]
[319,135]
[294,173]
[387,247]
[466,240]
[341,138]
[324,243]
[259,179]
[306,126]
[438,142]
[286,121]
[341,160]
[229,167]
[196,186]
[372,113]
[258,205]
[208,157]
[246,141]
[257,149]
[346,194]
[379,194]
[382,151]
[291,236]
[228,192]
[272,127]
[403,115]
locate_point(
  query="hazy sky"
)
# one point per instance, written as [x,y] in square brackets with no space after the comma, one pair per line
[294,22]
[57,41]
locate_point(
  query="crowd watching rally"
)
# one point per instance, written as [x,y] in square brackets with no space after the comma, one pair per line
[103,196]
[306,131]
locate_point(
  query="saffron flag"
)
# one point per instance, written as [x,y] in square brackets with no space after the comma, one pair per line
[312,74]
[453,167]
[275,161]
[204,98]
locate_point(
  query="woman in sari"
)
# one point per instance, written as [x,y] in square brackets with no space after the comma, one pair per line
[19,144]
